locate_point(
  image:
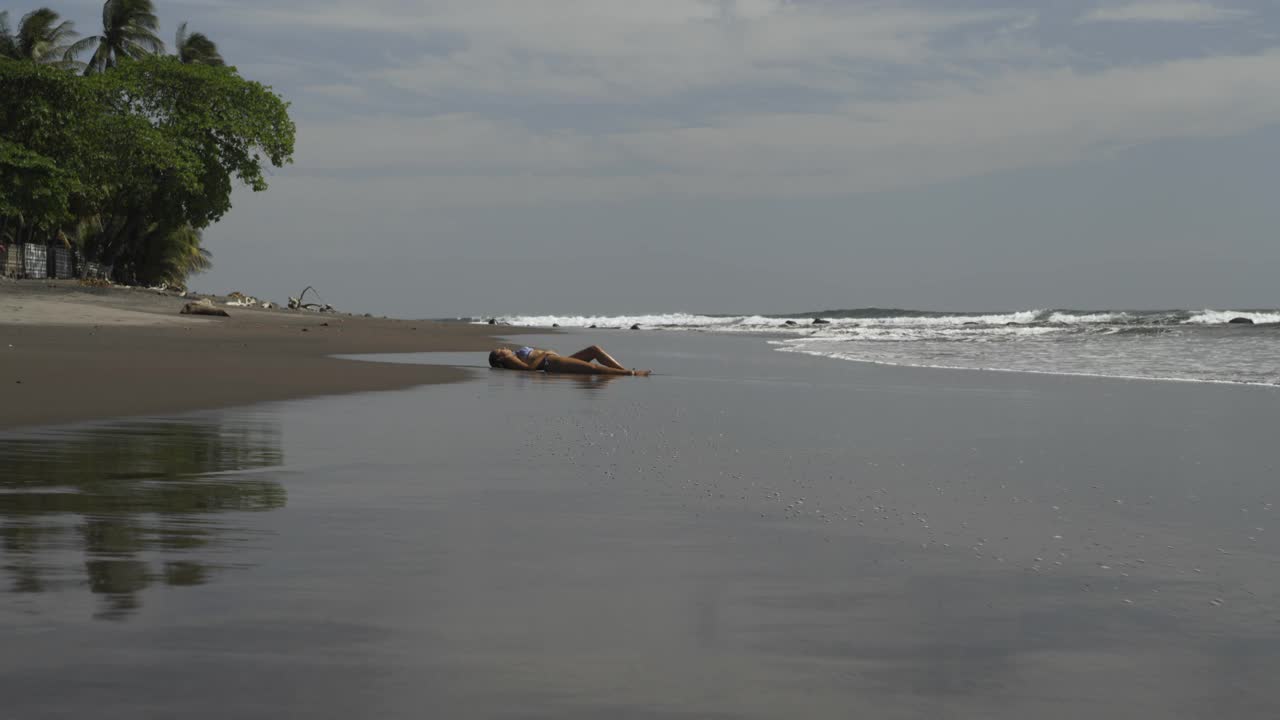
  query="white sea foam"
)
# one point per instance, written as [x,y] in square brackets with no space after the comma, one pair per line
[960,333]
[867,318]
[1090,318]
[1068,373]
[668,320]
[1222,317]
[856,319]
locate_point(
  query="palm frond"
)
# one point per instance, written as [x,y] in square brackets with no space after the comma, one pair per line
[44,37]
[174,254]
[196,48]
[128,31]
[80,46]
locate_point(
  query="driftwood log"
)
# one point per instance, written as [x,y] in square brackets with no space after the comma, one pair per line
[203,307]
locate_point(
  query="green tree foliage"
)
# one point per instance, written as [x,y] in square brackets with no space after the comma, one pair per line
[196,48]
[48,124]
[128,31]
[133,163]
[206,128]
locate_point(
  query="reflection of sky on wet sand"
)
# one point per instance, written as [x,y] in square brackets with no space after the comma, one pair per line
[755,535]
[116,508]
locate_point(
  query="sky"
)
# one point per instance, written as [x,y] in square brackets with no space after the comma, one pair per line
[500,157]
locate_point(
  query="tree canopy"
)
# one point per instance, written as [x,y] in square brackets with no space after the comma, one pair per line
[133,161]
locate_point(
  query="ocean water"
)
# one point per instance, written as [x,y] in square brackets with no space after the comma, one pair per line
[747,534]
[1187,345]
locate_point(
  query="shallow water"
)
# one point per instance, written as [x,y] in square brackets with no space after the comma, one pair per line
[752,534]
[1174,345]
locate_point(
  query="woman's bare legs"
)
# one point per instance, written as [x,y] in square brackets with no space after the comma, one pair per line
[578,366]
[597,353]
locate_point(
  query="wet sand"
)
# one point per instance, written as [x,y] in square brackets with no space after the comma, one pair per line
[750,534]
[69,353]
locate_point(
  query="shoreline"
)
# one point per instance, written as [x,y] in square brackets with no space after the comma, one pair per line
[1043,373]
[72,354]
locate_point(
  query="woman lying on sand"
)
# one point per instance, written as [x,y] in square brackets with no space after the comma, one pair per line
[579,363]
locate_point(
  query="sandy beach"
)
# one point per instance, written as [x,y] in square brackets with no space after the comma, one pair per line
[70,353]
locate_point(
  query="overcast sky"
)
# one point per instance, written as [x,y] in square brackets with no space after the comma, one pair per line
[460,157]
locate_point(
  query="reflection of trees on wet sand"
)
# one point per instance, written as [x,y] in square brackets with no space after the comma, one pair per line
[134,504]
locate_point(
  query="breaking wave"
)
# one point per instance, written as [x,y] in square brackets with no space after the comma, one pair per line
[1189,345]
[882,317]
[1223,317]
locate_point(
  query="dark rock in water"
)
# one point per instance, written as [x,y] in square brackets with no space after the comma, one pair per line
[555,324]
[790,323]
[820,321]
[1240,321]
[1008,324]
[593,327]
[636,326]
[493,321]
[971,323]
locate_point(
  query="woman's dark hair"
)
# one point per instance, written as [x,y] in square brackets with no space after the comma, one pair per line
[493,359]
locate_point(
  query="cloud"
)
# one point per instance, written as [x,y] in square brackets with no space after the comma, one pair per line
[479,104]
[634,57]
[1172,11]
[621,49]
[1016,119]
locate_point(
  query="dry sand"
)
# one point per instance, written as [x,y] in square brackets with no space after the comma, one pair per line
[71,353]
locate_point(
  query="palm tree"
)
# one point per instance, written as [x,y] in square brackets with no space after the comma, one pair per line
[196,48]
[41,38]
[171,256]
[128,31]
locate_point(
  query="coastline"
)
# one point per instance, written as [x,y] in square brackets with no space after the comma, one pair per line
[70,353]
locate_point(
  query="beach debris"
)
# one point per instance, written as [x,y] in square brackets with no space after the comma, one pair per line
[203,307]
[239,299]
[296,303]
[1240,321]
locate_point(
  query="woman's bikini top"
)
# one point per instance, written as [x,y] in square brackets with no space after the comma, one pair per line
[526,352]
